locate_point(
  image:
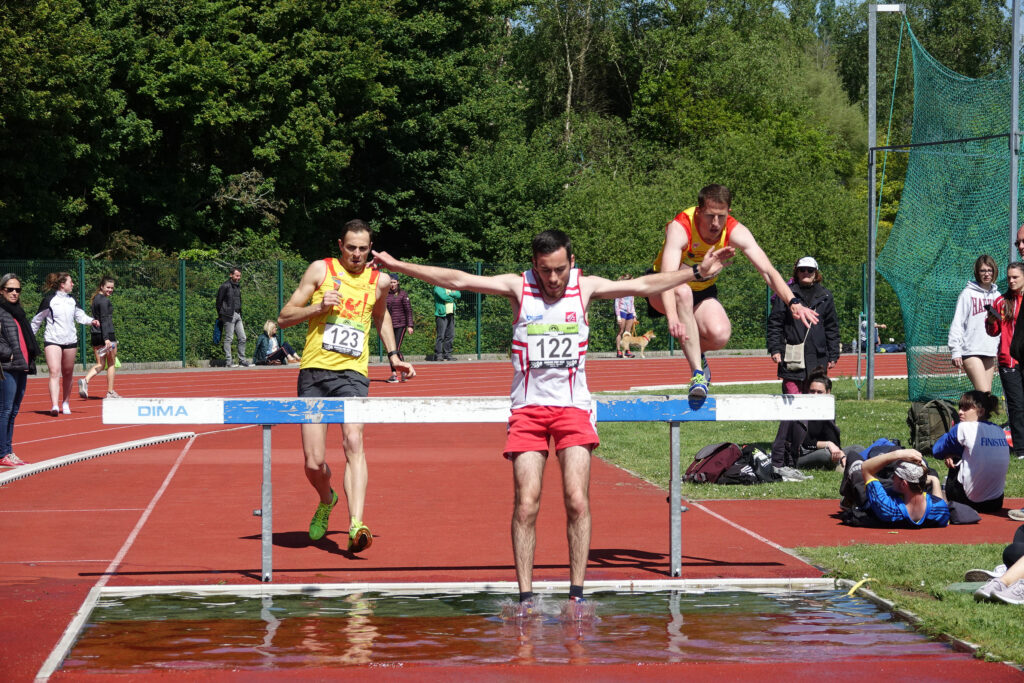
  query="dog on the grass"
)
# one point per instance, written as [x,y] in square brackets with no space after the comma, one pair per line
[629,341]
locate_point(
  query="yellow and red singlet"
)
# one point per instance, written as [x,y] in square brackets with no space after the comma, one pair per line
[696,247]
[339,339]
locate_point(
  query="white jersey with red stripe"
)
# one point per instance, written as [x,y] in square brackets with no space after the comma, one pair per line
[549,348]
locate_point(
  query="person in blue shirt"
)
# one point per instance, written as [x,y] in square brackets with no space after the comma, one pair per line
[910,505]
[977,455]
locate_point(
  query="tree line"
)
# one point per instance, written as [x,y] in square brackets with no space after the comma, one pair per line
[241,130]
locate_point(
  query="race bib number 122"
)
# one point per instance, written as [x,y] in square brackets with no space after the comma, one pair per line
[553,345]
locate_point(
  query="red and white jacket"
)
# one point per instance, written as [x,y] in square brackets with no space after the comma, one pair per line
[1003,328]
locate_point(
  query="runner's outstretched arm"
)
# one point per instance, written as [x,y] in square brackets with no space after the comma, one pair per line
[655,283]
[500,285]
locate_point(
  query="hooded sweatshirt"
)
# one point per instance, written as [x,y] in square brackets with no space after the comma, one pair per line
[967,335]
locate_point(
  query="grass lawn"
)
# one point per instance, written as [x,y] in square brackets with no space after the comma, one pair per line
[915,577]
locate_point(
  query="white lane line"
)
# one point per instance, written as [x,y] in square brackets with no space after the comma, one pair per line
[63,647]
[4,512]
[747,531]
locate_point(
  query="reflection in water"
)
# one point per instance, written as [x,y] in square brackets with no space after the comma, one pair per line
[192,632]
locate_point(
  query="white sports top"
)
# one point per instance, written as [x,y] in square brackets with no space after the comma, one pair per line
[549,348]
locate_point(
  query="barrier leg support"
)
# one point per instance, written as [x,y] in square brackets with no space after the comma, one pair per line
[675,501]
[267,511]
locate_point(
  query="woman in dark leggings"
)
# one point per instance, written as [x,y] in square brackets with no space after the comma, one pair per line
[812,443]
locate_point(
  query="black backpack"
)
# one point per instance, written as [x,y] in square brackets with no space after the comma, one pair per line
[928,421]
[711,462]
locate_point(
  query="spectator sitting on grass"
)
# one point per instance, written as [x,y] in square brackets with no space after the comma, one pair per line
[1005,583]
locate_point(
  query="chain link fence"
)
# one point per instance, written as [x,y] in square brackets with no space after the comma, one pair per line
[164,310]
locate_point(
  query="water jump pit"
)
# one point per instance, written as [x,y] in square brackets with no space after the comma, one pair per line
[282,628]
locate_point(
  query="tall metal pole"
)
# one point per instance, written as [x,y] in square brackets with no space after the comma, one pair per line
[869,333]
[1014,125]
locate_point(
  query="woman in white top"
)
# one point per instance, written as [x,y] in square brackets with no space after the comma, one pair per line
[970,346]
[60,312]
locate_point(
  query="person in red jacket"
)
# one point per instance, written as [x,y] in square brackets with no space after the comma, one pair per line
[1001,322]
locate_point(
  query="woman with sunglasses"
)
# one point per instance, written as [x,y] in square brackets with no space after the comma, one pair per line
[61,338]
[971,348]
[18,351]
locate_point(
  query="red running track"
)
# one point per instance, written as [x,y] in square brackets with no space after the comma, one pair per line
[439,503]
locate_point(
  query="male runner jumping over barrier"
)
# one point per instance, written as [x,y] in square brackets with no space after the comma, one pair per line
[695,316]
[340,299]
[550,398]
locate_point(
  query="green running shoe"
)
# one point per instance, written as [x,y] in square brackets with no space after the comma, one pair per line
[359,538]
[318,525]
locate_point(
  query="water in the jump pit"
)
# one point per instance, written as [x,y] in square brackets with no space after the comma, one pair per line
[191,632]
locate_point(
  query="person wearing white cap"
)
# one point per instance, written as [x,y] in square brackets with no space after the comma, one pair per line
[971,348]
[695,316]
[910,504]
[816,346]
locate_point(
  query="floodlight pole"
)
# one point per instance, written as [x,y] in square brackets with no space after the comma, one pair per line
[869,333]
[1014,126]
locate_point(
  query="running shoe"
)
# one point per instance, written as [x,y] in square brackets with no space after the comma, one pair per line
[577,609]
[66,408]
[11,460]
[54,411]
[705,368]
[1016,515]
[359,538]
[618,354]
[113,394]
[392,379]
[244,363]
[83,388]
[698,387]
[519,610]
[973,575]
[318,525]
[630,354]
[1011,595]
[989,589]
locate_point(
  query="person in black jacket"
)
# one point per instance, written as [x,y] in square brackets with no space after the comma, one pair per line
[820,341]
[18,351]
[104,340]
[229,312]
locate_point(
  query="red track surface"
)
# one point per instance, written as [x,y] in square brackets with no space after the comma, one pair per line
[439,503]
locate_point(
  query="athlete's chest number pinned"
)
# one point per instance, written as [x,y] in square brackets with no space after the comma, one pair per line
[344,336]
[554,345]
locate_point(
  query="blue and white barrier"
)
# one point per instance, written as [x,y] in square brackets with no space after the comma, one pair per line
[485,409]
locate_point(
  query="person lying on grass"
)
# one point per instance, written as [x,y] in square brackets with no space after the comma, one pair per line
[909,505]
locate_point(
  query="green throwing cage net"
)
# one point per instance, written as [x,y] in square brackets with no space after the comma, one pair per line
[954,207]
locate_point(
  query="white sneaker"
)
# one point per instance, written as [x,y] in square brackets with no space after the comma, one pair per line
[984,574]
[66,408]
[985,592]
[1011,595]
[83,388]
[113,394]
[1016,515]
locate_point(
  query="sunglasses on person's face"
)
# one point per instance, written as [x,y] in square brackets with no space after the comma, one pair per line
[805,270]
[12,289]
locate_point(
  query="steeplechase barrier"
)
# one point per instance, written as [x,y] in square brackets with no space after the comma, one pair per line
[268,412]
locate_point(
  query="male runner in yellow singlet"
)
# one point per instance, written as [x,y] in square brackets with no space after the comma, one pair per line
[695,316]
[341,299]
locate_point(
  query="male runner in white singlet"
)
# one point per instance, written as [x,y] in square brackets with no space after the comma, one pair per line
[550,398]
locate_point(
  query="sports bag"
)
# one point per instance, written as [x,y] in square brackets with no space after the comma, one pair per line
[711,461]
[928,421]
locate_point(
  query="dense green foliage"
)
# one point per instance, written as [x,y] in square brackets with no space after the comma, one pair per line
[246,129]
